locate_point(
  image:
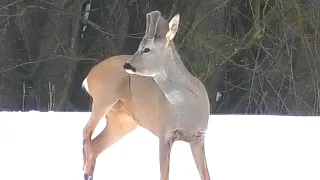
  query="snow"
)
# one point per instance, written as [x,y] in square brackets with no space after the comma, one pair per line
[48,145]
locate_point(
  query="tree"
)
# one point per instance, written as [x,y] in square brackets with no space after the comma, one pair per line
[261,56]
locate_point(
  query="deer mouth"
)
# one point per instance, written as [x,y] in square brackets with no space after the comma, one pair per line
[129,69]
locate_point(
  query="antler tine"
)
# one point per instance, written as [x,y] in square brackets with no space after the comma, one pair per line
[154,19]
[148,22]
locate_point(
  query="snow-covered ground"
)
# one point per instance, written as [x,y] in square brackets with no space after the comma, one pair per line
[48,146]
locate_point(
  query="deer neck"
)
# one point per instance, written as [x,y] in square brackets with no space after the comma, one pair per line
[175,80]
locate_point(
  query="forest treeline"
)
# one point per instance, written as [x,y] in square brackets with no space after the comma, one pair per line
[254,56]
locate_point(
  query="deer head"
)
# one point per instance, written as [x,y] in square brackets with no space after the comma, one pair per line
[155,47]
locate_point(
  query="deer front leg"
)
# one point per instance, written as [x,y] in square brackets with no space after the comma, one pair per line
[165,146]
[199,156]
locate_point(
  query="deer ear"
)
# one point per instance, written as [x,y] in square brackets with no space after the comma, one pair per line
[173,27]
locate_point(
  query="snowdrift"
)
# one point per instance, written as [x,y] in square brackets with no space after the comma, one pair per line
[48,145]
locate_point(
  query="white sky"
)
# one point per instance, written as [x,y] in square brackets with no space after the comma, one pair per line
[48,146]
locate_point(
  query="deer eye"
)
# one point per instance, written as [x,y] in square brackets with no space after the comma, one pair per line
[146,50]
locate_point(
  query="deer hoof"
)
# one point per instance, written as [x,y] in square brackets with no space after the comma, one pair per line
[87,177]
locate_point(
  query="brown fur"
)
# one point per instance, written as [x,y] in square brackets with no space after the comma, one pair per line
[125,100]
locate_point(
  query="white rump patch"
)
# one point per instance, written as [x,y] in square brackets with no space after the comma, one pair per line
[85,84]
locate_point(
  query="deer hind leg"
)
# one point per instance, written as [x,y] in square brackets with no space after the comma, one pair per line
[119,124]
[100,107]
[165,145]
[199,156]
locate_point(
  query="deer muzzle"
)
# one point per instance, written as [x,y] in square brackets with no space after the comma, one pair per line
[129,69]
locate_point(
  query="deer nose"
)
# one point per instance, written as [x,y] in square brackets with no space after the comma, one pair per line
[129,67]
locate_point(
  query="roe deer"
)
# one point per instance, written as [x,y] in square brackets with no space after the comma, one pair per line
[125,100]
[186,107]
